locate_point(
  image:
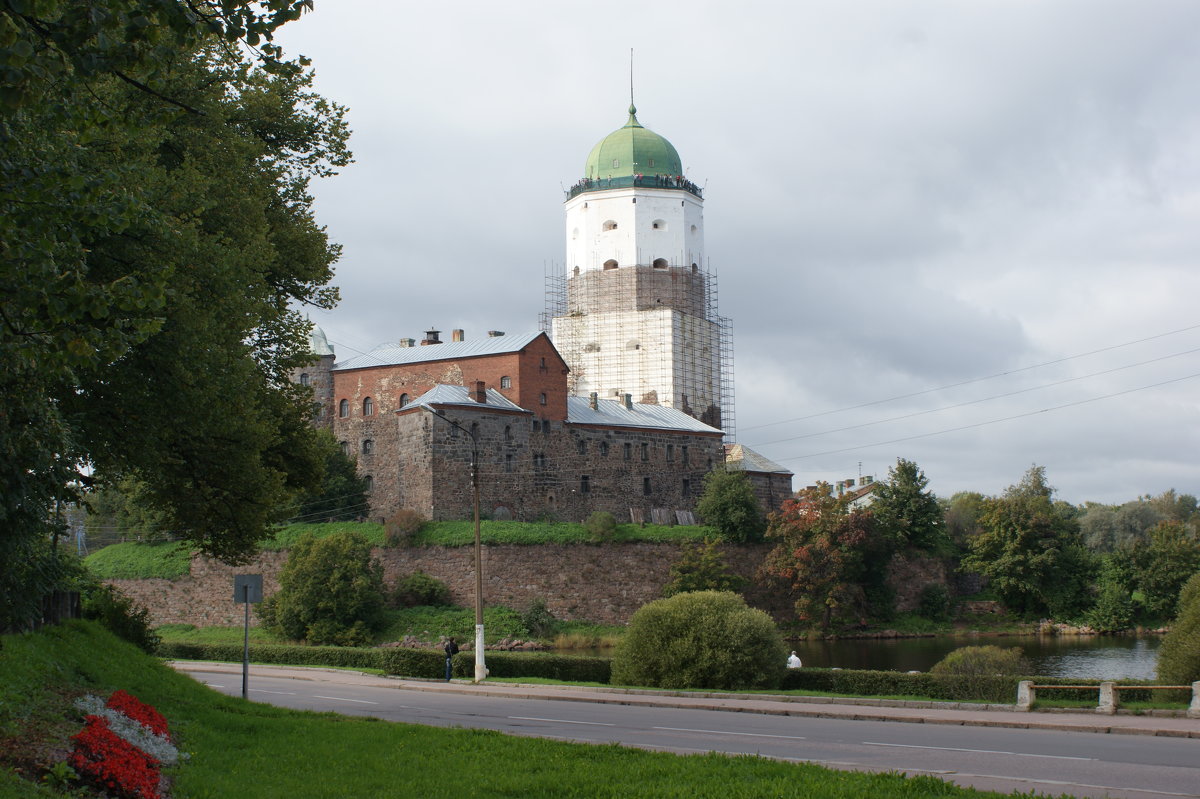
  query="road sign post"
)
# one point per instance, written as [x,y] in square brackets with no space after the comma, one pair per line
[247,589]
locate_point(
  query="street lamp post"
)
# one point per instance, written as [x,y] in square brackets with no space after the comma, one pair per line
[480,667]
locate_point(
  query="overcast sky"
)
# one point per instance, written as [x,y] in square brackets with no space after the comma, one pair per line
[963,233]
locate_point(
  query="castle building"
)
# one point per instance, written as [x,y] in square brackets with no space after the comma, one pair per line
[635,312]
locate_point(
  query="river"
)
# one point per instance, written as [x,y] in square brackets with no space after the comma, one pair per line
[1106,657]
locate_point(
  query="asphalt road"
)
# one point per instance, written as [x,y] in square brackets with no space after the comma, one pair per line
[991,758]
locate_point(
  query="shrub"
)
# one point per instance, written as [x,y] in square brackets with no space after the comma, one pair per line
[700,639]
[934,603]
[601,525]
[972,671]
[539,621]
[729,506]
[419,589]
[1179,655]
[400,529]
[331,591]
[701,568]
[120,615]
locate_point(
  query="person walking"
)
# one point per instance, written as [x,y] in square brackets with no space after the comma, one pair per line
[451,649]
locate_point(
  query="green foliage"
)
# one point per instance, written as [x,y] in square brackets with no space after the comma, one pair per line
[821,554]
[963,513]
[135,560]
[601,525]
[729,506]
[432,623]
[702,639]
[1031,551]
[120,616]
[342,493]
[974,671]
[462,533]
[1160,564]
[1114,608]
[32,568]
[538,620]
[331,591]
[1179,655]
[702,567]
[126,506]
[853,682]
[907,515]
[286,537]
[569,668]
[346,657]
[403,526]
[420,588]
[935,603]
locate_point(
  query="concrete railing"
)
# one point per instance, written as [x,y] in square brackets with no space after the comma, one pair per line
[1027,694]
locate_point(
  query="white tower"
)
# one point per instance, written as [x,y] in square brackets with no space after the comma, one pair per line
[639,316]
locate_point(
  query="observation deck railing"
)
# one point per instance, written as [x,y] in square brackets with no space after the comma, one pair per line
[634,181]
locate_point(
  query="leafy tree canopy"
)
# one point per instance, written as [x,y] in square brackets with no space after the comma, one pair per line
[907,514]
[729,506]
[342,494]
[155,235]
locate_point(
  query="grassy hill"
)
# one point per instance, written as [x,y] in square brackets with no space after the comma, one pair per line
[257,751]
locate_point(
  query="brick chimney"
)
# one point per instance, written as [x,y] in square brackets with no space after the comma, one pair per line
[480,392]
[594,401]
[457,335]
[628,401]
[431,337]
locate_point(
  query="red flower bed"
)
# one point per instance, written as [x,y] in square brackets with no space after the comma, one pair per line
[139,711]
[113,764]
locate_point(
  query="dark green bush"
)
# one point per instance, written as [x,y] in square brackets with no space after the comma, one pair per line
[1179,655]
[569,668]
[422,663]
[331,591]
[971,671]
[701,567]
[334,656]
[539,621]
[120,615]
[601,525]
[934,603]
[402,527]
[420,589]
[700,639]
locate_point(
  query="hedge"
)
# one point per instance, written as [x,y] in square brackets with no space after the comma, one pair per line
[569,668]
[338,656]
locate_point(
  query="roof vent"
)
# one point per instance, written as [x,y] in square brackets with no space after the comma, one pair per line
[594,401]
[457,335]
[628,401]
[406,342]
[495,333]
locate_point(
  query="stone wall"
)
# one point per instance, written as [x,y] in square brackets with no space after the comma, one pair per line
[596,582]
[908,576]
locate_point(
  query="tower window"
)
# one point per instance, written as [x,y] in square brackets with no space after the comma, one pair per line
[505,382]
[369,482]
[659,224]
[650,163]
[304,380]
[610,225]
[645,451]
[670,453]
[687,488]
[604,448]
[660,263]
[685,455]
[581,446]
[368,446]
[508,462]
[542,398]
[403,400]
[368,406]
[616,162]
[344,408]
[584,484]
[345,447]
[610,264]
[629,452]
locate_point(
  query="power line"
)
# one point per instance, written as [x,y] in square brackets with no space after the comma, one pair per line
[990,421]
[973,380]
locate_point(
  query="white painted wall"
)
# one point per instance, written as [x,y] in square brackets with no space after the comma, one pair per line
[635,241]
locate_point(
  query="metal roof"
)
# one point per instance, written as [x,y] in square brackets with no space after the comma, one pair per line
[443,394]
[741,457]
[394,355]
[613,413]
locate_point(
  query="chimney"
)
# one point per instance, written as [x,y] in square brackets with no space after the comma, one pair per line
[480,392]
[594,401]
[495,333]
[431,337]
[628,401]
[457,335]
[406,342]
[841,487]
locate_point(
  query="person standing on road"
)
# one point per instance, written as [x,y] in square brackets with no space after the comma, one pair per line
[794,661]
[451,650]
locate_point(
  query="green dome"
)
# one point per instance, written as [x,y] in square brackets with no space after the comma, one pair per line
[632,149]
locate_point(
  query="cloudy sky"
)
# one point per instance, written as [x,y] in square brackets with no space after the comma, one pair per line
[963,233]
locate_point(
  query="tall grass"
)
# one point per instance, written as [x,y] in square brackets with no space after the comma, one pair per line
[137,560]
[255,751]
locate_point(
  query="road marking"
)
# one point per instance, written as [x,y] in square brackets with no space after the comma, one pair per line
[562,721]
[265,691]
[724,732]
[214,685]
[977,751]
[343,699]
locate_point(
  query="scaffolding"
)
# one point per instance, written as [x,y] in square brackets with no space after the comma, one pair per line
[648,330]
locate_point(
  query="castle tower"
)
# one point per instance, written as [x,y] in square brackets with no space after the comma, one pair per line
[638,314]
[318,375]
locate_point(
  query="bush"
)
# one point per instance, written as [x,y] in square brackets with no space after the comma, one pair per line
[333,656]
[729,506]
[934,603]
[400,530]
[538,621]
[419,589]
[972,671]
[120,615]
[331,592]
[601,525]
[701,568]
[569,668]
[856,682]
[700,639]
[1179,655]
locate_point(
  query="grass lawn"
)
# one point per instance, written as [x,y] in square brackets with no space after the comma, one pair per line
[136,560]
[255,751]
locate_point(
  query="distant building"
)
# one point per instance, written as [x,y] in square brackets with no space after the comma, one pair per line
[772,483]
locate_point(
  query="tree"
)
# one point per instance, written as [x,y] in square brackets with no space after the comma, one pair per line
[330,592]
[1179,655]
[963,512]
[1031,553]
[701,568]
[156,233]
[700,639]
[729,506]
[1160,564]
[342,494]
[908,515]
[820,553]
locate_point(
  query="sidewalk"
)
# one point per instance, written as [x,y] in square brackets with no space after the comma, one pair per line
[954,713]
